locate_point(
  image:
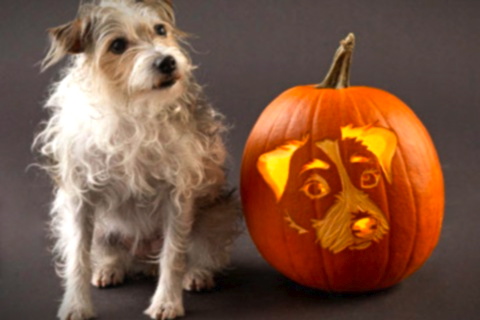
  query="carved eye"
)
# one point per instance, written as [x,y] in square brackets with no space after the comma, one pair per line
[118,46]
[315,187]
[370,178]
[161,30]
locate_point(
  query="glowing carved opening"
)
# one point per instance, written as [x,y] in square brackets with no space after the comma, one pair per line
[370,178]
[315,164]
[274,166]
[364,228]
[360,159]
[292,224]
[379,141]
[316,187]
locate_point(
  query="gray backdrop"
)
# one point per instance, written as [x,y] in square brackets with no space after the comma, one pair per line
[425,52]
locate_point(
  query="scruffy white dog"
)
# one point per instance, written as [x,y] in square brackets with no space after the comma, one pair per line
[137,158]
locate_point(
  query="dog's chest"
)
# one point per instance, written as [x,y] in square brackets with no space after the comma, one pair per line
[147,156]
[142,162]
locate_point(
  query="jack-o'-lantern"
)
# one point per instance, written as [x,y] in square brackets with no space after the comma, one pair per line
[341,186]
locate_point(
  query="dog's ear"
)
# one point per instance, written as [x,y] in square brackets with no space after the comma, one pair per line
[70,38]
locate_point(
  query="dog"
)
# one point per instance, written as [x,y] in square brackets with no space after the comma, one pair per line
[137,157]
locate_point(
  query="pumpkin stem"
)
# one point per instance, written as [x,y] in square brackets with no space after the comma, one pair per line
[338,76]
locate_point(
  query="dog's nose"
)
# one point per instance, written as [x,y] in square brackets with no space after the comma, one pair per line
[166,65]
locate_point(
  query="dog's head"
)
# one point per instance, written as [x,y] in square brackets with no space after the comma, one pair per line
[132,44]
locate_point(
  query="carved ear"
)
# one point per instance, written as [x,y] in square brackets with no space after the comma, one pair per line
[381,142]
[70,38]
[274,166]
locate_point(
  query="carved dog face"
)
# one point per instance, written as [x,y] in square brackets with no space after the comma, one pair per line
[346,168]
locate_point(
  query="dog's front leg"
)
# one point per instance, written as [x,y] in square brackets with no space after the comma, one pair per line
[167,302]
[75,229]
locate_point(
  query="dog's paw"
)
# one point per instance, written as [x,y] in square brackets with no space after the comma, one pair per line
[107,277]
[165,310]
[69,313]
[198,281]
[78,315]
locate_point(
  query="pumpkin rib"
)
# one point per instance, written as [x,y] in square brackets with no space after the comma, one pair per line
[279,109]
[336,101]
[342,94]
[412,248]
[383,191]
[387,212]
[412,264]
[412,194]
[320,254]
[316,111]
[357,109]
[266,146]
[285,228]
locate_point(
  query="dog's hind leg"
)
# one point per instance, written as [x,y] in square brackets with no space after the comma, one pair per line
[215,228]
[73,226]
[110,260]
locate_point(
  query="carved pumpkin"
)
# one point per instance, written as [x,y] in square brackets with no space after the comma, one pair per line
[341,186]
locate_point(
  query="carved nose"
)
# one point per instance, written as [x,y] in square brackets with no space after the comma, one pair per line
[166,65]
[365,228]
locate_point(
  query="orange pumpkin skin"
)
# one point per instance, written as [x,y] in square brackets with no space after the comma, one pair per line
[412,202]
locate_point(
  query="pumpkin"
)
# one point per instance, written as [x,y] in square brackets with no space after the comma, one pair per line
[341,186]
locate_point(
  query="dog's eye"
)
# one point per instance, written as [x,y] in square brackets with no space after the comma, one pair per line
[118,46]
[161,30]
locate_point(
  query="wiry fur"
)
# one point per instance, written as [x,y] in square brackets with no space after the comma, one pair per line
[136,167]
